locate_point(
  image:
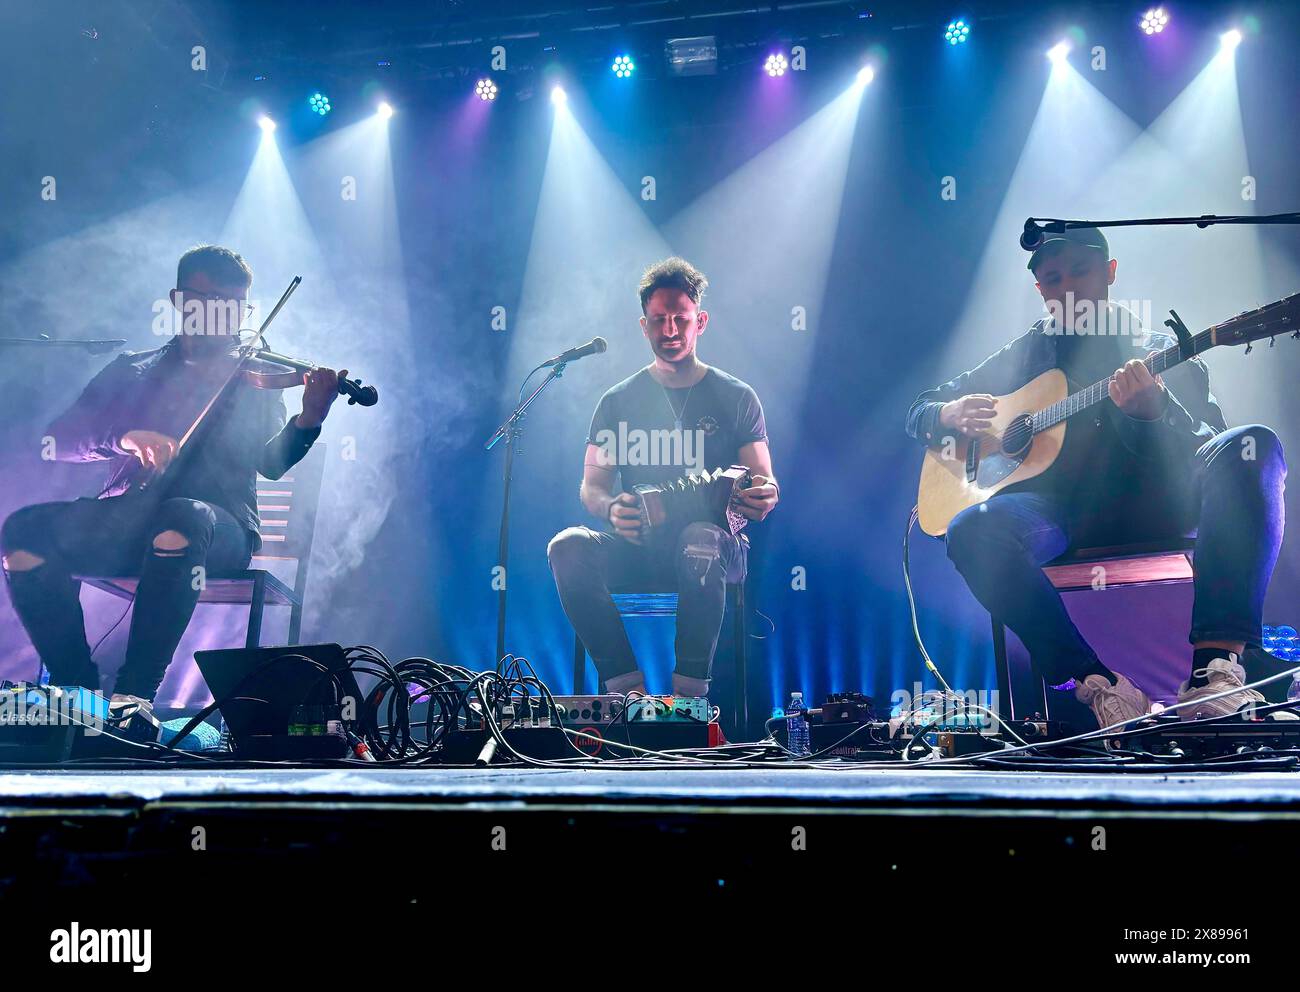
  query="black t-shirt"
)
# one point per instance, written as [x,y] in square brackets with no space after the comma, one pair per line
[635,423]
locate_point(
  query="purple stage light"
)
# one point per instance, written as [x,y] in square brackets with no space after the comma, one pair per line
[485,90]
[776,64]
[1154,20]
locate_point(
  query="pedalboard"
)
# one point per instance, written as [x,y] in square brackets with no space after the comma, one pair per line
[47,724]
[1172,737]
[590,725]
[533,711]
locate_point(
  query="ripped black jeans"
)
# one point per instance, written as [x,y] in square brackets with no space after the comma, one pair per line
[117,536]
[587,564]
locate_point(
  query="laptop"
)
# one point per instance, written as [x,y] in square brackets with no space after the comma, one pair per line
[258,689]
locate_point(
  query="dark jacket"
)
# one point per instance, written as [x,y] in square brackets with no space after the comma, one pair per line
[1152,452]
[245,434]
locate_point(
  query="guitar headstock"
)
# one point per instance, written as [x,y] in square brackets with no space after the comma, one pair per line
[1279,317]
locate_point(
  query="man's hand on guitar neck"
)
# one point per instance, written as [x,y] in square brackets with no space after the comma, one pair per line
[969,415]
[1137,392]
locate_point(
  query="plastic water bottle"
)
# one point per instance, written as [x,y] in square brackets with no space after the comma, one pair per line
[796,727]
[1293,694]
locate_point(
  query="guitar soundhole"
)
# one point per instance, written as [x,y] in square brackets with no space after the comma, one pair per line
[1018,435]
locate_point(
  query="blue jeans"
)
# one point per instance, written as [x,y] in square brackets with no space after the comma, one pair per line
[1232,502]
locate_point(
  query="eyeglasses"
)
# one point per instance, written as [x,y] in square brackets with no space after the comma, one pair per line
[681,321]
[245,309]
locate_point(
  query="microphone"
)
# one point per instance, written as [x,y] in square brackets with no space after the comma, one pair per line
[593,347]
[1033,236]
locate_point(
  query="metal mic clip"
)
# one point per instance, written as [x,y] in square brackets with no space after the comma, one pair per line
[1032,236]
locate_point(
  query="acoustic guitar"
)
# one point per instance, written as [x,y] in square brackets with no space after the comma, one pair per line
[1028,425]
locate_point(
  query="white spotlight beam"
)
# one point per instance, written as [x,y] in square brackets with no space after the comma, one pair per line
[1076,133]
[364,325]
[764,235]
[590,244]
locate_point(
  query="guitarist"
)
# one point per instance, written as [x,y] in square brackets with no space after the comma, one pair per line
[704,410]
[1155,462]
[201,516]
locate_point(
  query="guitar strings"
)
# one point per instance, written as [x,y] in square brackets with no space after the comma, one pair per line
[1156,363]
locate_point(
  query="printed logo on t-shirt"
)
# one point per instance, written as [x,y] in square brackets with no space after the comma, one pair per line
[709,425]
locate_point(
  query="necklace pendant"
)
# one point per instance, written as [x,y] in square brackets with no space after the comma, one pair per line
[677,424]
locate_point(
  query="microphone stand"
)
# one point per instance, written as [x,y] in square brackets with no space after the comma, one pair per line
[95,347]
[1056,225]
[511,430]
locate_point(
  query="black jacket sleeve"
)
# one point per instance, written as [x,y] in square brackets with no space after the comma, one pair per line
[996,375]
[1190,418]
[88,430]
[263,437]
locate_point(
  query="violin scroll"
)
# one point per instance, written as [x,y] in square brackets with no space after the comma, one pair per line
[357,394]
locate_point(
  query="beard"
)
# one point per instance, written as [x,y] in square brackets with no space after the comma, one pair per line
[674,354]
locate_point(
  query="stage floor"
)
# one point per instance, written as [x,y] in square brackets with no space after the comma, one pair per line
[842,788]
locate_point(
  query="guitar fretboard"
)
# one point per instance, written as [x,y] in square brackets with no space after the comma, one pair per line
[1050,416]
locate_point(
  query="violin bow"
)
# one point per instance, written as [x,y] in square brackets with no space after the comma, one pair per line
[247,350]
[180,445]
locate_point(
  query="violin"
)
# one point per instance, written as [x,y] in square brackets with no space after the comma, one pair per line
[264,369]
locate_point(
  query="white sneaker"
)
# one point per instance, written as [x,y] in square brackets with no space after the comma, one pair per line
[1112,704]
[1223,674]
[124,705]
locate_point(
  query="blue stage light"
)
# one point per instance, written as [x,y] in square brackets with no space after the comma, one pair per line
[623,66]
[320,103]
[956,33]
[1281,642]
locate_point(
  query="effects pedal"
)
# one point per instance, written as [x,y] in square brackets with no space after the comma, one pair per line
[1171,736]
[48,723]
[595,725]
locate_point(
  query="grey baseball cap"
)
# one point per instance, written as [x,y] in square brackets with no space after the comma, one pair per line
[1089,237]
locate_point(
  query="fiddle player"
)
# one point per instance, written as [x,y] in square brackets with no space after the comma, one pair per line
[202,517]
[701,411]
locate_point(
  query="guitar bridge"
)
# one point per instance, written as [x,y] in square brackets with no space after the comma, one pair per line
[972,459]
